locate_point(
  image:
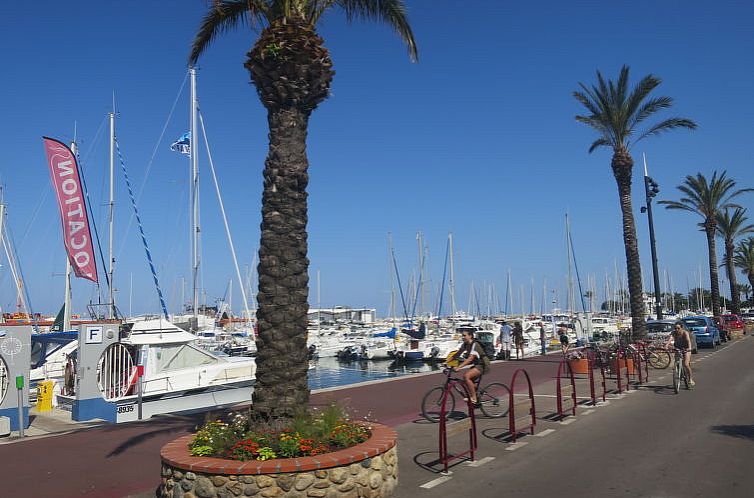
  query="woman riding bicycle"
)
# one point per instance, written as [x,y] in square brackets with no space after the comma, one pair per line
[473,354]
[680,339]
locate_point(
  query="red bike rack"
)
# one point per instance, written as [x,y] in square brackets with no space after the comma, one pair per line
[468,423]
[592,389]
[530,417]
[560,390]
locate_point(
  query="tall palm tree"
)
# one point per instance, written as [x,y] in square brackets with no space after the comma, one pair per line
[292,72]
[731,226]
[616,112]
[744,289]
[744,258]
[708,199]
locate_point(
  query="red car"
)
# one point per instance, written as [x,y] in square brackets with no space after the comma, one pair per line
[730,323]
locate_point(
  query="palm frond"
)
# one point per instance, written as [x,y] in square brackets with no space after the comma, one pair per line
[731,224]
[743,256]
[650,107]
[600,142]
[620,111]
[223,16]
[391,12]
[666,125]
[677,205]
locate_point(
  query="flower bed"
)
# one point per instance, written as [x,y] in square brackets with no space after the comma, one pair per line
[366,470]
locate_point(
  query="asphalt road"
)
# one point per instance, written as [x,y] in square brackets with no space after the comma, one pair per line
[650,443]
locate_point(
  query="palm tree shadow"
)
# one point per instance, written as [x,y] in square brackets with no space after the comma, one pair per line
[737,431]
[185,423]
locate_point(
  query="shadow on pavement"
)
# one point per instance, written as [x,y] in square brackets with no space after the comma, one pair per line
[434,465]
[738,431]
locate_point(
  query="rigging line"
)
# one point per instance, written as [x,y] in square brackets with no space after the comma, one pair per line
[34,214]
[442,285]
[225,218]
[578,278]
[400,287]
[151,160]
[26,299]
[141,229]
[94,223]
[97,137]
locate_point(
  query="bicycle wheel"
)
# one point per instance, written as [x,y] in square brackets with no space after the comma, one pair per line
[432,404]
[494,399]
[677,376]
[659,359]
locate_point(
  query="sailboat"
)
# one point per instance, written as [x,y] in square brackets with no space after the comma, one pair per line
[172,363]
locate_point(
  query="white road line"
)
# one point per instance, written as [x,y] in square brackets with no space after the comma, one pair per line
[516,445]
[435,482]
[587,412]
[481,462]
[567,421]
[544,432]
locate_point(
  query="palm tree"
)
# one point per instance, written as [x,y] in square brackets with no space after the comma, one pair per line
[743,258]
[708,199]
[292,72]
[744,289]
[616,112]
[729,228]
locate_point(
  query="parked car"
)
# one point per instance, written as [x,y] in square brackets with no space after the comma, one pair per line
[661,329]
[747,318]
[732,323]
[704,328]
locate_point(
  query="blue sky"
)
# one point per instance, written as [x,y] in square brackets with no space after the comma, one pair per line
[478,139]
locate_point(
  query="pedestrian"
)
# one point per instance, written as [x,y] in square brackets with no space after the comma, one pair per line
[518,339]
[563,332]
[505,340]
[543,338]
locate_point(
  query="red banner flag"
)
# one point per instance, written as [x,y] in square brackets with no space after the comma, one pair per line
[66,181]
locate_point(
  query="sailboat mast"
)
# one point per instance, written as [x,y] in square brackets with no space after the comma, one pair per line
[111,204]
[571,297]
[452,281]
[68,268]
[193,157]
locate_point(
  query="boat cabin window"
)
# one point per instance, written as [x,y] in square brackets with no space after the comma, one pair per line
[178,356]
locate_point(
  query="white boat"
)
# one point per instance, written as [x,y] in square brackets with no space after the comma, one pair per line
[173,364]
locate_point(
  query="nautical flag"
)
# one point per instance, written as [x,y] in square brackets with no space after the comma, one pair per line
[183,144]
[66,182]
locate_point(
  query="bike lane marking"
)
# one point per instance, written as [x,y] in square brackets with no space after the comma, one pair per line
[544,433]
[479,463]
[436,482]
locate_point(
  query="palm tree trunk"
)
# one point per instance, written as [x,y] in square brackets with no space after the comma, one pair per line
[731,269]
[292,72]
[709,228]
[281,386]
[622,165]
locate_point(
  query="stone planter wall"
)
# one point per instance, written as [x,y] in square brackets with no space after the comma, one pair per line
[367,470]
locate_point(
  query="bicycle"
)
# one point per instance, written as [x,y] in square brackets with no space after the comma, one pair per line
[492,399]
[658,358]
[679,370]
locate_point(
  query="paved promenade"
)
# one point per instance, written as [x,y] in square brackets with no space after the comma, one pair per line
[630,446]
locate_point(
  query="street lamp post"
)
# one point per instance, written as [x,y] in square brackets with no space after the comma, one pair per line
[651,189]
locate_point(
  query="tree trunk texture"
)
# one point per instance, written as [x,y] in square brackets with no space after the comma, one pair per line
[622,165]
[735,297]
[709,228]
[292,72]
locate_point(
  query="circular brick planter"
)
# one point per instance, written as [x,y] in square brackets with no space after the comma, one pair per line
[367,470]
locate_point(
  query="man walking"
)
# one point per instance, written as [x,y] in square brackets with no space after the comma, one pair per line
[505,340]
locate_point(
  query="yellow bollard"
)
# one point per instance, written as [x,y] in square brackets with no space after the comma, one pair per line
[44,396]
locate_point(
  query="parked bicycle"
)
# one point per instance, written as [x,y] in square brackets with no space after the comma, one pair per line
[657,357]
[492,399]
[680,372]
